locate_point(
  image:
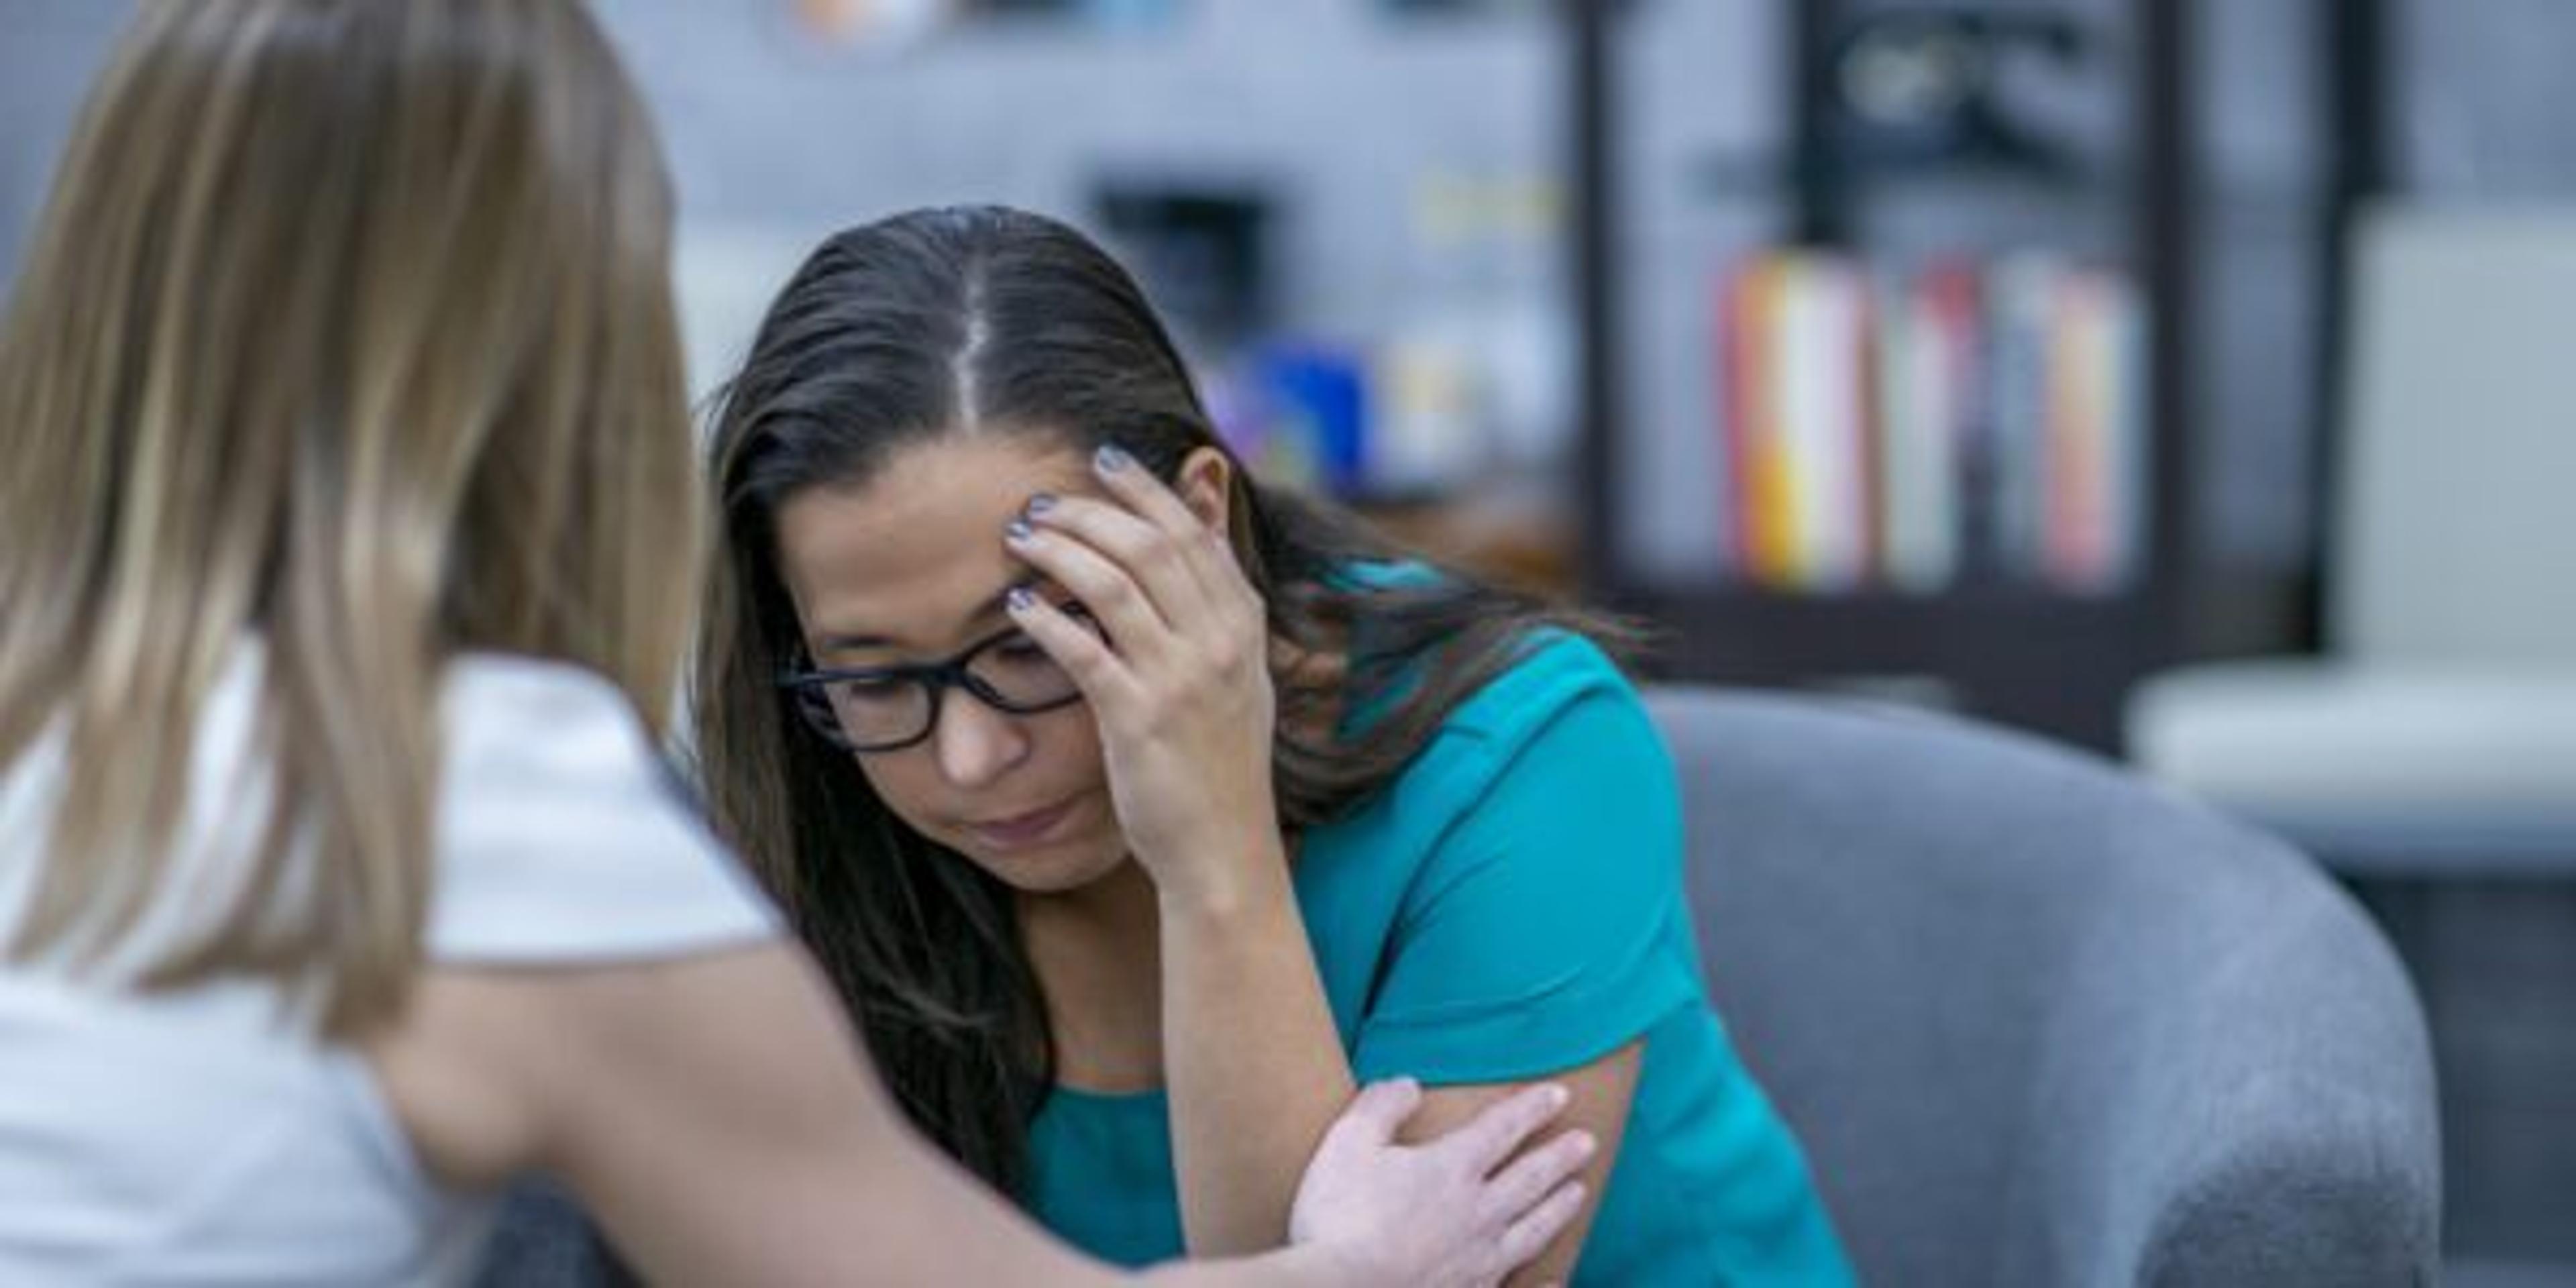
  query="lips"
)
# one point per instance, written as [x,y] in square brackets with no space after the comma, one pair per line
[1021,830]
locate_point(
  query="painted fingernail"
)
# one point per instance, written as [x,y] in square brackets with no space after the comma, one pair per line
[1039,504]
[1018,599]
[1018,530]
[1112,458]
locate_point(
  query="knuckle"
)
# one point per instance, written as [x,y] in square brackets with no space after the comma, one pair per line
[1117,592]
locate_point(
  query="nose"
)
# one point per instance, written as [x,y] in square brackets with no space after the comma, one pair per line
[976,744]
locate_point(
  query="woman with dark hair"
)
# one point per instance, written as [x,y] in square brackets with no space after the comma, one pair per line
[1136,808]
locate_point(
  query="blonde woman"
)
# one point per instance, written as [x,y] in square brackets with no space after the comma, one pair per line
[346,545]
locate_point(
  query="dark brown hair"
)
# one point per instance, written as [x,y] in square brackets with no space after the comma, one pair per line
[983,321]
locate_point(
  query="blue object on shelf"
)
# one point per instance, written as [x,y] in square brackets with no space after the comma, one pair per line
[1318,396]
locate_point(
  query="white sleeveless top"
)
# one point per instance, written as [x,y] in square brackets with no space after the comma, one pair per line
[203,1136]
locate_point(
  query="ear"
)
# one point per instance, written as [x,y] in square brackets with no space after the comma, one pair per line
[1206,485]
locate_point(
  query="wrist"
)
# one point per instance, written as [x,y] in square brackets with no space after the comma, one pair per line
[1342,1265]
[1248,881]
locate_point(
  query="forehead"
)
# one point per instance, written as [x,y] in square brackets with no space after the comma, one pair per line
[915,554]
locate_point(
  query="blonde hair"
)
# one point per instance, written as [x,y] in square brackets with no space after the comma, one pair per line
[347,329]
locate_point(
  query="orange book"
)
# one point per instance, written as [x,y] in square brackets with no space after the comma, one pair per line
[1739,360]
[1765,486]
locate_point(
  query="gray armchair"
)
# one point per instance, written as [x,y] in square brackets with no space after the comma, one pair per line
[2041,1024]
[2038,1023]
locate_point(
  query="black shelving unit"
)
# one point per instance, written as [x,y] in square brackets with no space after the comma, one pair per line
[2057,663]
[2357,172]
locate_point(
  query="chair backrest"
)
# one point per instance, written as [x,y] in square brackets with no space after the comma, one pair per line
[2040,1024]
[2453,544]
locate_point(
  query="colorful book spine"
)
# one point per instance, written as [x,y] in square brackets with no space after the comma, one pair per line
[2095,455]
[1885,430]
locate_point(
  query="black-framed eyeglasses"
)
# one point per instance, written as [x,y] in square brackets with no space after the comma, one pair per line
[887,708]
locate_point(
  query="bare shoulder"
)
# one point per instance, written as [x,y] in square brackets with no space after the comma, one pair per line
[492,1072]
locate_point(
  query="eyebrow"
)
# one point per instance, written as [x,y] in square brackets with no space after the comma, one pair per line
[853,642]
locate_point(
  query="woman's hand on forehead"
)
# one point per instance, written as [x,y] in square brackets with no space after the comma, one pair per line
[1177,675]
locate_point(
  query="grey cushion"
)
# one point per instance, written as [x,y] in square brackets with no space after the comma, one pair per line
[2039,1023]
[544,1241]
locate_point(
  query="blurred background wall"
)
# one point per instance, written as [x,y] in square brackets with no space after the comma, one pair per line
[1363,215]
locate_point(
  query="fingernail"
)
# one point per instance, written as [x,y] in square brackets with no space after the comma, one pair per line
[1111,458]
[1039,504]
[1017,530]
[1557,1095]
[1585,1142]
[1018,599]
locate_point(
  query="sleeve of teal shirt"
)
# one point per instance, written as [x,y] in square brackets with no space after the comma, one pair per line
[1538,936]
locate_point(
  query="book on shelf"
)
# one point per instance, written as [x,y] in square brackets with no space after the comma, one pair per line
[1910,430]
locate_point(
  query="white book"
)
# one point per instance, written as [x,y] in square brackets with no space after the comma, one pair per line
[1825,424]
[1920,422]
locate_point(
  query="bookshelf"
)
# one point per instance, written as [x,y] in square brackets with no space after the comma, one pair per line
[2005,647]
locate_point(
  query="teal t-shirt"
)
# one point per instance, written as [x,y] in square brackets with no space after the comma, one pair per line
[1511,906]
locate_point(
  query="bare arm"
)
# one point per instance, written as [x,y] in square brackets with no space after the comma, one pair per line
[1178,681]
[1256,1069]
[1602,1092]
[709,1113]
[714,1114]
[1386,1202]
